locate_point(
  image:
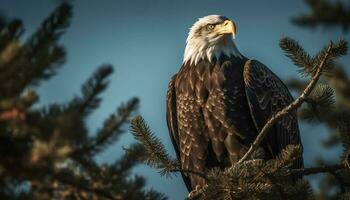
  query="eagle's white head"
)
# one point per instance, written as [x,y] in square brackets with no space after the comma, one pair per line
[210,37]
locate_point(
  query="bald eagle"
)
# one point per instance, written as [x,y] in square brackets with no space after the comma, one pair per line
[219,101]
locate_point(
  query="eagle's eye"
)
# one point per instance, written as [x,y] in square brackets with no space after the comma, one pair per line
[211,26]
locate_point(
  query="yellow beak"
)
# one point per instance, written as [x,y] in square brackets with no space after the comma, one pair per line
[227,27]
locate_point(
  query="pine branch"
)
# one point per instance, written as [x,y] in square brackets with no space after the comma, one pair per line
[322,96]
[10,32]
[51,29]
[255,179]
[338,49]
[156,155]
[317,170]
[325,13]
[308,65]
[287,110]
[79,184]
[112,129]
[3,21]
[90,90]
[331,169]
[285,159]
[133,155]
[297,54]
[321,100]
[39,57]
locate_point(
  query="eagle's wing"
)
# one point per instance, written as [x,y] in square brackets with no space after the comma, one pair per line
[171,117]
[266,95]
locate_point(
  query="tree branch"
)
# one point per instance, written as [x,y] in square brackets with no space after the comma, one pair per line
[317,170]
[332,169]
[80,186]
[294,105]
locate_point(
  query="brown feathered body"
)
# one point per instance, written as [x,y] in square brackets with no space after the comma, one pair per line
[216,108]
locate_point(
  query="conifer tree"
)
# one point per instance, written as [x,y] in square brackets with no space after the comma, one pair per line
[47,152]
[272,179]
[331,15]
[326,13]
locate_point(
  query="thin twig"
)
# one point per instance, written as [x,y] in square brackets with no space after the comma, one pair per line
[316,170]
[41,172]
[80,186]
[332,169]
[269,178]
[285,111]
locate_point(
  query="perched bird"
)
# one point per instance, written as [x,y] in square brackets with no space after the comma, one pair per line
[219,101]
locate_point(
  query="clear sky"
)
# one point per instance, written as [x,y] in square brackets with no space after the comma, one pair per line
[145,40]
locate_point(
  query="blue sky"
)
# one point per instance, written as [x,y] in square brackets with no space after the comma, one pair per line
[145,40]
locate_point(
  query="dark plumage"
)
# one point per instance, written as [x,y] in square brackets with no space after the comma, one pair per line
[216,108]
